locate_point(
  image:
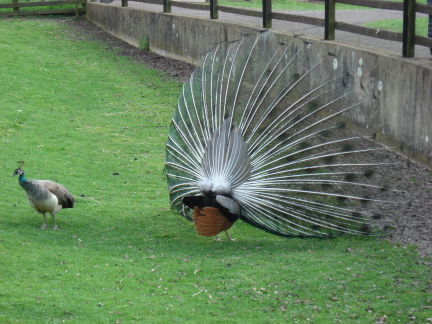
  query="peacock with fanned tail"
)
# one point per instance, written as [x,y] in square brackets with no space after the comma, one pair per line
[257,136]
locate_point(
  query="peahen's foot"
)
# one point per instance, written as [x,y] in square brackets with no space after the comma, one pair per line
[55,227]
[43,226]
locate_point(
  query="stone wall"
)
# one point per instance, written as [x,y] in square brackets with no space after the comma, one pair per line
[400,116]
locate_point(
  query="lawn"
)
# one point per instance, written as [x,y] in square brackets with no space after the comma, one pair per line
[396,25]
[283,4]
[293,5]
[80,114]
[29,7]
[388,24]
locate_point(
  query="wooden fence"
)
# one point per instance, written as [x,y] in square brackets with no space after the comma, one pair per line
[76,7]
[408,8]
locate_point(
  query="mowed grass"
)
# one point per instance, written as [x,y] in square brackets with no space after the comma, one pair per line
[283,5]
[78,113]
[294,5]
[396,25]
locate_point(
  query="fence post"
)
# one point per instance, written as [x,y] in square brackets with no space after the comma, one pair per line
[124,3]
[76,8]
[267,15]
[167,6]
[330,18]
[15,8]
[429,2]
[408,37]
[214,7]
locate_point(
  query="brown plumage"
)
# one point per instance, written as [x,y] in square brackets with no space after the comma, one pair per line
[212,214]
[209,221]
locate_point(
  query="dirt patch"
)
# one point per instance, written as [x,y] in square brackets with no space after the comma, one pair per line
[412,211]
[173,68]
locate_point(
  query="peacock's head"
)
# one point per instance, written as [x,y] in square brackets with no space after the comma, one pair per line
[18,171]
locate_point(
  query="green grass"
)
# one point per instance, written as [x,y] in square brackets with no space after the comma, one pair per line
[46,6]
[294,5]
[78,113]
[389,24]
[284,5]
[396,25]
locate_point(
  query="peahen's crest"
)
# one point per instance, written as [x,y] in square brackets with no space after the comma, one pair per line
[259,123]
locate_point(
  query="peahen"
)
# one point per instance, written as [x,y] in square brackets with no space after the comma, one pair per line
[45,196]
[257,136]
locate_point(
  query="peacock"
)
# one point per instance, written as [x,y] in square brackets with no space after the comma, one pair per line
[45,196]
[259,135]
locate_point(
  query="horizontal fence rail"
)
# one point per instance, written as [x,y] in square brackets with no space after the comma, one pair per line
[16,8]
[408,9]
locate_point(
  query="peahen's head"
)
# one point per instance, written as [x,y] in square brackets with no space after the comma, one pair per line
[18,171]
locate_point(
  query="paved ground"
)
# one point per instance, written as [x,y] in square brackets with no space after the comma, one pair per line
[352,16]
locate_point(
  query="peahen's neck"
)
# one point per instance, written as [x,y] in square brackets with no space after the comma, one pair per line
[33,188]
[22,178]
[24,183]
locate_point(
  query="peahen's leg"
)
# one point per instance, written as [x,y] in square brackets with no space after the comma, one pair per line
[55,225]
[44,222]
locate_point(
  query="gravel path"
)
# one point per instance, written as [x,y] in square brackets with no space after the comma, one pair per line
[350,16]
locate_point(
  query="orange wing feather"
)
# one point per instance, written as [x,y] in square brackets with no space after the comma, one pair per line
[209,221]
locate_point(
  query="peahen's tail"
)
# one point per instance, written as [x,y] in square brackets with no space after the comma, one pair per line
[259,123]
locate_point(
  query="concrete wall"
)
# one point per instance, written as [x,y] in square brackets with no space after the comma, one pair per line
[401,116]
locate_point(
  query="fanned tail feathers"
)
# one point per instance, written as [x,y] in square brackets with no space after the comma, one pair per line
[260,123]
[225,162]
